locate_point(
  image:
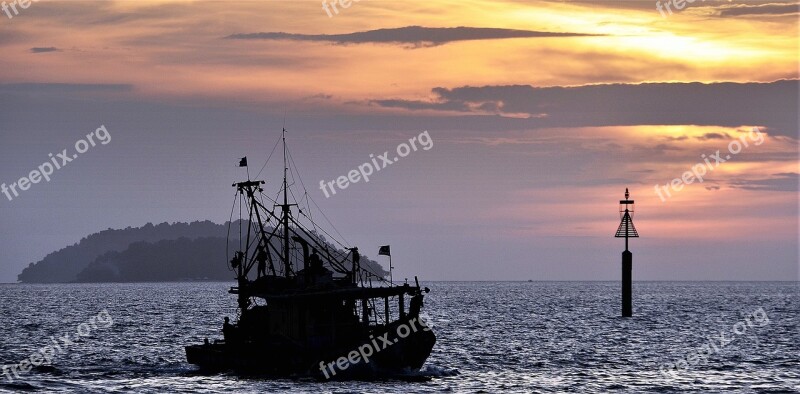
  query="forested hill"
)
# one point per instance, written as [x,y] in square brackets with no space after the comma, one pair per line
[166,260]
[164,252]
[65,264]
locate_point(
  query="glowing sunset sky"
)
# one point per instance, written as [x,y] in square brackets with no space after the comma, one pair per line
[536,135]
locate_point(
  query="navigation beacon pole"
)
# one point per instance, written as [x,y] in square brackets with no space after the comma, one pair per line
[626,230]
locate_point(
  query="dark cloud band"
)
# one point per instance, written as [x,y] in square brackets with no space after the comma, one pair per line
[773,105]
[411,35]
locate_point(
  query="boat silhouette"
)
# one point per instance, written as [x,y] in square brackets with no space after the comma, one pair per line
[312,309]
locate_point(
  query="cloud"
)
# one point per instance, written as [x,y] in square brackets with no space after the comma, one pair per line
[773,104]
[319,96]
[87,14]
[722,7]
[663,147]
[64,88]
[783,182]
[416,36]
[446,105]
[681,138]
[712,136]
[44,49]
[758,9]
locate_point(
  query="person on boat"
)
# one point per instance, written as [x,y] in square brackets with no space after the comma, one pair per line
[262,262]
[415,305]
[228,330]
[236,261]
[315,262]
[356,258]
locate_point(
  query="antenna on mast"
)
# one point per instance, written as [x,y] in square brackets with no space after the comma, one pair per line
[285,167]
[286,254]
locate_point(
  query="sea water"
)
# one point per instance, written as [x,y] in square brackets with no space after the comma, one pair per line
[491,337]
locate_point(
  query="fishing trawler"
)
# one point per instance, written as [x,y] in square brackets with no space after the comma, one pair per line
[307,306]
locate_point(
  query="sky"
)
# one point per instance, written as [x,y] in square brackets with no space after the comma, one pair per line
[540,114]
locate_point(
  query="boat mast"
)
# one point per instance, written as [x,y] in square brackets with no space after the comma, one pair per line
[285,207]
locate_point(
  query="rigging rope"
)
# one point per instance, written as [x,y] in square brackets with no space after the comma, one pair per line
[228,236]
[268,157]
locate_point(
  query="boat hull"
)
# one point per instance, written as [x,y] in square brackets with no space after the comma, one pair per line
[390,351]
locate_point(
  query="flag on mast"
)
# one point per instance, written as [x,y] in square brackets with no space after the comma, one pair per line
[384,250]
[243,162]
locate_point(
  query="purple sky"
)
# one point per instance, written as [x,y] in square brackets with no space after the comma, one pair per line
[535,135]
